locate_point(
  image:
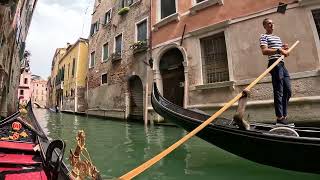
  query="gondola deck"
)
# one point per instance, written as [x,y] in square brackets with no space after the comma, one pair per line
[24,150]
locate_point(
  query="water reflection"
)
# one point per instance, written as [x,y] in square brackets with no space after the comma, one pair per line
[118,147]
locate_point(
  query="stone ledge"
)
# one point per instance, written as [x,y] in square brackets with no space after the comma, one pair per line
[220,25]
[308,2]
[166,20]
[296,100]
[202,5]
[214,85]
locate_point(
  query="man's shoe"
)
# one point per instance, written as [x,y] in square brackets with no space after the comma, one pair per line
[284,121]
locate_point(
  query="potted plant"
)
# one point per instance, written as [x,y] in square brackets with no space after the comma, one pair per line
[139,46]
[123,10]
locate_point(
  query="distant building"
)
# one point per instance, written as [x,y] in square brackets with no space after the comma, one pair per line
[25,87]
[53,99]
[68,77]
[39,91]
[15,19]
[119,59]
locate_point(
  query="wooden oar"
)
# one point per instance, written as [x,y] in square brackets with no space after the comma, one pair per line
[158,157]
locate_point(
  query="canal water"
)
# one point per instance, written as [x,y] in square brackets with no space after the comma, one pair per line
[117,147]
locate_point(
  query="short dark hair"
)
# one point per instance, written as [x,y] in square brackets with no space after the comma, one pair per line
[264,22]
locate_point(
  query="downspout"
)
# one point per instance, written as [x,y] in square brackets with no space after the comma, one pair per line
[76,85]
[149,66]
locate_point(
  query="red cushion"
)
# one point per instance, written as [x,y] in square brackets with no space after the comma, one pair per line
[10,169]
[27,176]
[17,145]
[17,159]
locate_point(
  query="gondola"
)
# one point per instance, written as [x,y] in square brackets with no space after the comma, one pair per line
[298,150]
[26,152]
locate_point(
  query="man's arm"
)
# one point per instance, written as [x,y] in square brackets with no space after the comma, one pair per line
[270,51]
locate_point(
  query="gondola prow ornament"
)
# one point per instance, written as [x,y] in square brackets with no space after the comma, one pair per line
[82,168]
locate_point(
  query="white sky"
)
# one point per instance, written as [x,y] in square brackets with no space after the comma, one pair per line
[54,23]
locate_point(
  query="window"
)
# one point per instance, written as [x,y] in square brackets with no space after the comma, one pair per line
[25,81]
[168,7]
[214,59]
[94,28]
[316,17]
[104,79]
[118,47]
[125,3]
[92,60]
[105,51]
[142,31]
[107,17]
[73,66]
[21,92]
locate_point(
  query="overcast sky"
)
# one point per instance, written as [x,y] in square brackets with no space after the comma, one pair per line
[54,23]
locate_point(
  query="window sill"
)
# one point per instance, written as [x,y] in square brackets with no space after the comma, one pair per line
[308,2]
[166,20]
[204,4]
[217,85]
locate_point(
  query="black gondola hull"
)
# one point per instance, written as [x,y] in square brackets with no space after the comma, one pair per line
[291,153]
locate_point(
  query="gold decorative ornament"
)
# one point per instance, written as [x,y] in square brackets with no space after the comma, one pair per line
[81,169]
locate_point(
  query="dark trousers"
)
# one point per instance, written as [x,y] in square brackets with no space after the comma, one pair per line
[281,88]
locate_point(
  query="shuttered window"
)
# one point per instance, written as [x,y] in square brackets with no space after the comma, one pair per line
[73,66]
[168,7]
[105,50]
[92,59]
[118,44]
[142,31]
[107,17]
[316,17]
[214,59]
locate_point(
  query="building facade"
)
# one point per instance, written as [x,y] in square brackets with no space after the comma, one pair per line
[206,51]
[39,91]
[71,77]
[118,59]
[25,87]
[15,19]
[53,99]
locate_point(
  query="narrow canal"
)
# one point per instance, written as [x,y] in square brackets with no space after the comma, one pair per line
[118,147]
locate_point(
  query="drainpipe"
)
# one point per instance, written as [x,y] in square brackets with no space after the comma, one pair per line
[147,68]
[76,79]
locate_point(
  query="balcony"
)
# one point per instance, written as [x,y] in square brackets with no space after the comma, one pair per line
[116,56]
[139,46]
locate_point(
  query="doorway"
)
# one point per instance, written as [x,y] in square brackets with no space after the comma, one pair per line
[172,73]
[136,98]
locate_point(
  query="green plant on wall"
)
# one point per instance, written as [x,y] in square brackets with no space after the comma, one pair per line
[123,10]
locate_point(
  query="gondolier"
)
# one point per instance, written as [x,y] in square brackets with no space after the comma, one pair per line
[272,46]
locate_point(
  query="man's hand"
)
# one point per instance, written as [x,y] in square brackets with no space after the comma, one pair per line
[284,52]
[285,46]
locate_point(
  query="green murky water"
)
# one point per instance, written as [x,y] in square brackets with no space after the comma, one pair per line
[118,147]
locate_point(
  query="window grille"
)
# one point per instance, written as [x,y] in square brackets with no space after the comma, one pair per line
[316,17]
[214,59]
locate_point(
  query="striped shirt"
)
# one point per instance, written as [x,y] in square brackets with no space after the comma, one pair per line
[273,42]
